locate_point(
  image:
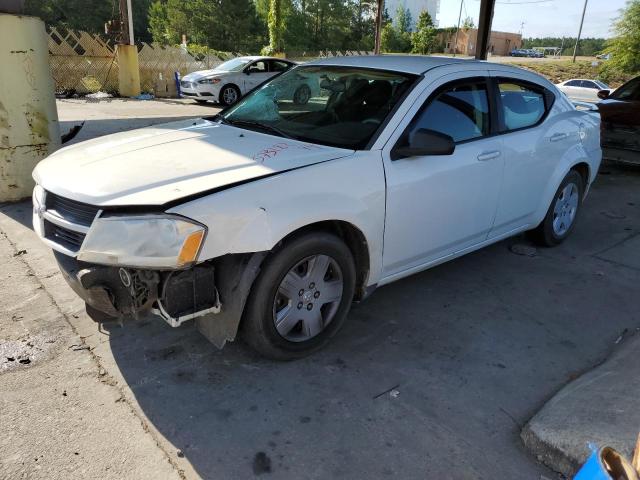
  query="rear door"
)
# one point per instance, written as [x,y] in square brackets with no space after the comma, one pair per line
[439,205]
[534,142]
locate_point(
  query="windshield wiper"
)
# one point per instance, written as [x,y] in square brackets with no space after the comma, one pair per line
[250,124]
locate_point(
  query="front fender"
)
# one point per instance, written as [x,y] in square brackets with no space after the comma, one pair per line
[255,216]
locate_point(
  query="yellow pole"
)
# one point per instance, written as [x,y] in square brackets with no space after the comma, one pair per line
[29,129]
[128,70]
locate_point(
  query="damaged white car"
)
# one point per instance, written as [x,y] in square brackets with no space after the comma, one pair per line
[272,217]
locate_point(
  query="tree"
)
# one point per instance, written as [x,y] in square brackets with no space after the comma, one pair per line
[625,46]
[468,23]
[396,36]
[424,38]
[276,27]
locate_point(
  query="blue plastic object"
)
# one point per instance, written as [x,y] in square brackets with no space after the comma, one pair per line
[176,78]
[593,469]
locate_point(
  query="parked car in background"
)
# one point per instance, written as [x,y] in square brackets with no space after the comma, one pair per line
[280,217]
[582,89]
[620,123]
[229,81]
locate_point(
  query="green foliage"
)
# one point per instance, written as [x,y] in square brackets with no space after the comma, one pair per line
[625,46]
[396,37]
[586,47]
[276,27]
[468,23]
[424,38]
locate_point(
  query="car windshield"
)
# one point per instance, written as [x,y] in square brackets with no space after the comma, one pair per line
[233,65]
[330,105]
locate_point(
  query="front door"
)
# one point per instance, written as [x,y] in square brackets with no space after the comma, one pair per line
[254,74]
[439,205]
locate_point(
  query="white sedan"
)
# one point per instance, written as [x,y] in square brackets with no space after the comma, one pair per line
[272,218]
[582,90]
[230,80]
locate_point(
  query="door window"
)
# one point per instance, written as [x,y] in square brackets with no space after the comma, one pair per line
[523,105]
[589,84]
[279,66]
[629,91]
[460,110]
[572,83]
[257,67]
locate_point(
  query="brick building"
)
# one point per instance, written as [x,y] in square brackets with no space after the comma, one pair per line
[500,43]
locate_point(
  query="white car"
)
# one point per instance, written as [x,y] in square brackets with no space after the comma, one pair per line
[582,90]
[274,217]
[230,80]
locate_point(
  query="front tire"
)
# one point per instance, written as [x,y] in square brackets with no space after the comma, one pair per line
[301,297]
[229,95]
[562,213]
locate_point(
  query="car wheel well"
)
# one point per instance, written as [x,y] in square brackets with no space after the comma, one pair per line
[353,238]
[583,169]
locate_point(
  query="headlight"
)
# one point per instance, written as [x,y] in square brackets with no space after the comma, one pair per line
[209,81]
[145,241]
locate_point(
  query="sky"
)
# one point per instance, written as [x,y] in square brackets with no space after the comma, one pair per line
[551,18]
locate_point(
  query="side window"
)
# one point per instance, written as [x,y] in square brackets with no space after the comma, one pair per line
[629,91]
[460,111]
[572,83]
[523,105]
[258,67]
[278,66]
[588,84]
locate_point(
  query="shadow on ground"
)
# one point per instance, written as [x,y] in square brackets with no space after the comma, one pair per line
[472,348]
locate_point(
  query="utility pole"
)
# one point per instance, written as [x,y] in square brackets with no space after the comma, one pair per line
[127,54]
[455,42]
[376,49]
[575,49]
[126,22]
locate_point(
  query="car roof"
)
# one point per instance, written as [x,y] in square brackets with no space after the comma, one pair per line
[416,64]
[260,57]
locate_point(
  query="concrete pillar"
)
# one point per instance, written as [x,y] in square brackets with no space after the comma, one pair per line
[29,129]
[128,70]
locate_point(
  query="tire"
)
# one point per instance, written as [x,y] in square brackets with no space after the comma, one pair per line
[229,94]
[299,332]
[302,95]
[561,217]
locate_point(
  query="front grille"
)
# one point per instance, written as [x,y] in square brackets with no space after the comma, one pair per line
[70,210]
[63,236]
[190,94]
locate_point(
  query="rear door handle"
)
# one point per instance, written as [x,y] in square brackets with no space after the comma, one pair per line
[483,157]
[558,136]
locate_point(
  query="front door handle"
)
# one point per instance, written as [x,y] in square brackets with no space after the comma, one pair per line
[483,157]
[558,136]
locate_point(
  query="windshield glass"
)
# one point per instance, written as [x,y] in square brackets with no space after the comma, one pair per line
[328,105]
[233,65]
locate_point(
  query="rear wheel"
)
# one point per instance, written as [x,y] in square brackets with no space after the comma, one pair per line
[301,297]
[302,95]
[562,213]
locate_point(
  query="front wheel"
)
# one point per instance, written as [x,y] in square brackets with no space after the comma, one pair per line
[301,297]
[562,213]
[229,95]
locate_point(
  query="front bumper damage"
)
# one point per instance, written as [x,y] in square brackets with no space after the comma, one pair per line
[212,293]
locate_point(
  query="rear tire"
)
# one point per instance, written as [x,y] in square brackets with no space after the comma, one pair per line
[561,217]
[302,95]
[296,304]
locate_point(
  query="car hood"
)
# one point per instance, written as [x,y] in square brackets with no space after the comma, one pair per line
[193,76]
[164,163]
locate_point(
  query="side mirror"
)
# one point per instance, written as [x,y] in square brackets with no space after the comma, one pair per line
[604,94]
[424,142]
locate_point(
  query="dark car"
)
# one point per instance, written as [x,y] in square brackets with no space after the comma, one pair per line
[620,125]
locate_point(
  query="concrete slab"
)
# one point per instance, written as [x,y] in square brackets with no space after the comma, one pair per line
[600,407]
